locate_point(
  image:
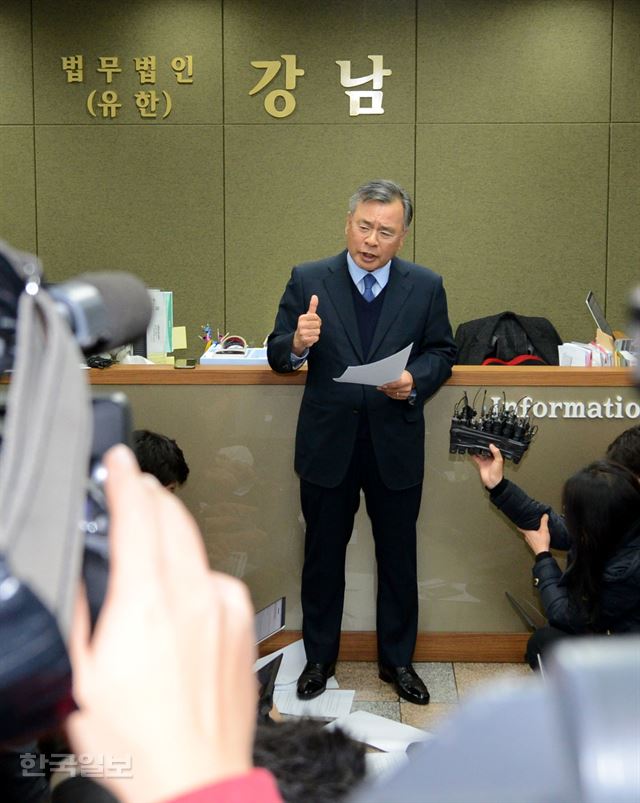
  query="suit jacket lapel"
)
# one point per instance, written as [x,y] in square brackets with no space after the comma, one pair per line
[338,284]
[397,292]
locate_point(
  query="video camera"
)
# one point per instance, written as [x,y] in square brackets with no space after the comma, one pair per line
[497,423]
[53,515]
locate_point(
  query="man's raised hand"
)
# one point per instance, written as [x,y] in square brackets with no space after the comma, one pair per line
[308,331]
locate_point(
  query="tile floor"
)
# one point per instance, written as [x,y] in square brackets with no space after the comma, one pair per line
[448,683]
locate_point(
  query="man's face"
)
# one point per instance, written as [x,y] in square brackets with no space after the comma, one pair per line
[375,233]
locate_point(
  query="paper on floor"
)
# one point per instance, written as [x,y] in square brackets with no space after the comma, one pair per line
[328,705]
[379,764]
[380,732]
[293,661]
[332,683]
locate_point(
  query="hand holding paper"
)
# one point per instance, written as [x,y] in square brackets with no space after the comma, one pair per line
[401,388]
[380,373]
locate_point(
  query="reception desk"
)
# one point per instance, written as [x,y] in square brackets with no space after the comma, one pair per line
[237,426]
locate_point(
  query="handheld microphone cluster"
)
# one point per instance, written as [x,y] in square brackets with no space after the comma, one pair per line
[497,423]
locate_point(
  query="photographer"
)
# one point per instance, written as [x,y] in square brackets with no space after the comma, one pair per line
[599,591]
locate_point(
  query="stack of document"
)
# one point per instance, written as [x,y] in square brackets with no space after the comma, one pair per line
[601,352]
[572,354]
[160,329]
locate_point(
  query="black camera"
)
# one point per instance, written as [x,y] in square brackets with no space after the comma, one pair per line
[499,423]
[53,515]
[111,425]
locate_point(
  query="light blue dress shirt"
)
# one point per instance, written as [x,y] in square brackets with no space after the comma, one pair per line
[357,275]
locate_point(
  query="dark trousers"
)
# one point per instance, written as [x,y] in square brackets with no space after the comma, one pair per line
[329,514]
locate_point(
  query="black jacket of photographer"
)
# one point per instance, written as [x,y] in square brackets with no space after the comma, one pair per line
[619,606]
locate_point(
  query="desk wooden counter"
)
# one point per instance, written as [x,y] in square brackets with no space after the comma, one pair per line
[462,375]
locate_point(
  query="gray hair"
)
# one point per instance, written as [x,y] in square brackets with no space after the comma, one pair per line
[385,192]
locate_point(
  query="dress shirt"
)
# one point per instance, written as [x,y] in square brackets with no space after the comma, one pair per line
[357,276]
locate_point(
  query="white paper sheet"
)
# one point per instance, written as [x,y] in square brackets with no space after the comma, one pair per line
[293,661]
[379,764]
[332,683]
[328,705]
[377,373]
[380,732]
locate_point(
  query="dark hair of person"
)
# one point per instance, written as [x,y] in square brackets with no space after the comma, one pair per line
[160,456]
[625,449]
[310,764]
[601,505]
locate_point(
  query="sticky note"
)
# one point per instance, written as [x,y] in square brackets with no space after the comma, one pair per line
[179,337]
[161,359]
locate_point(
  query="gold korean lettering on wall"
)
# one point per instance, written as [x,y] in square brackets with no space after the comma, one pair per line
[291,75]
[281,102]
[374,95]
[154,103]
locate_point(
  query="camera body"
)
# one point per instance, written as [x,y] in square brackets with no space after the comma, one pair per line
[111,425]
[35,673]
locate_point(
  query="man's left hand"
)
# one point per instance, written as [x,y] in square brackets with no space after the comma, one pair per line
[400,389]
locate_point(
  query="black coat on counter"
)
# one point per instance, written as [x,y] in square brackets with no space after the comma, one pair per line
[506,336]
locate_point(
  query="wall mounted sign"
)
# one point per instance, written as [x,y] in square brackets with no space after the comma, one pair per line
[156,102]
[609,408]
[153,103]
[281,102]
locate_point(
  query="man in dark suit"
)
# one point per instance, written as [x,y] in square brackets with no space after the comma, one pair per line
[358,307]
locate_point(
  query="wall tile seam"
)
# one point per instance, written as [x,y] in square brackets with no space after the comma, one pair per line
[331,125]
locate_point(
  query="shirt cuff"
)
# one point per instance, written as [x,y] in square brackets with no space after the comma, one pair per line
[297,362]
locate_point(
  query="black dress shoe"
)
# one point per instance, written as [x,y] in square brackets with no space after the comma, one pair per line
[406,681]
[313,680]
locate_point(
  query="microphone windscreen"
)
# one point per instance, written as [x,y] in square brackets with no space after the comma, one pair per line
[126,303]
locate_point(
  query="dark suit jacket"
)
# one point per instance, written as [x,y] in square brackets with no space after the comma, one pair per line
[414,311]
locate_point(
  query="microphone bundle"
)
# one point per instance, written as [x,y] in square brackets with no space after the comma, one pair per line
[501,424]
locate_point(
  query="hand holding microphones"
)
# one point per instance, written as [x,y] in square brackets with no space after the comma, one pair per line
[308,330]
